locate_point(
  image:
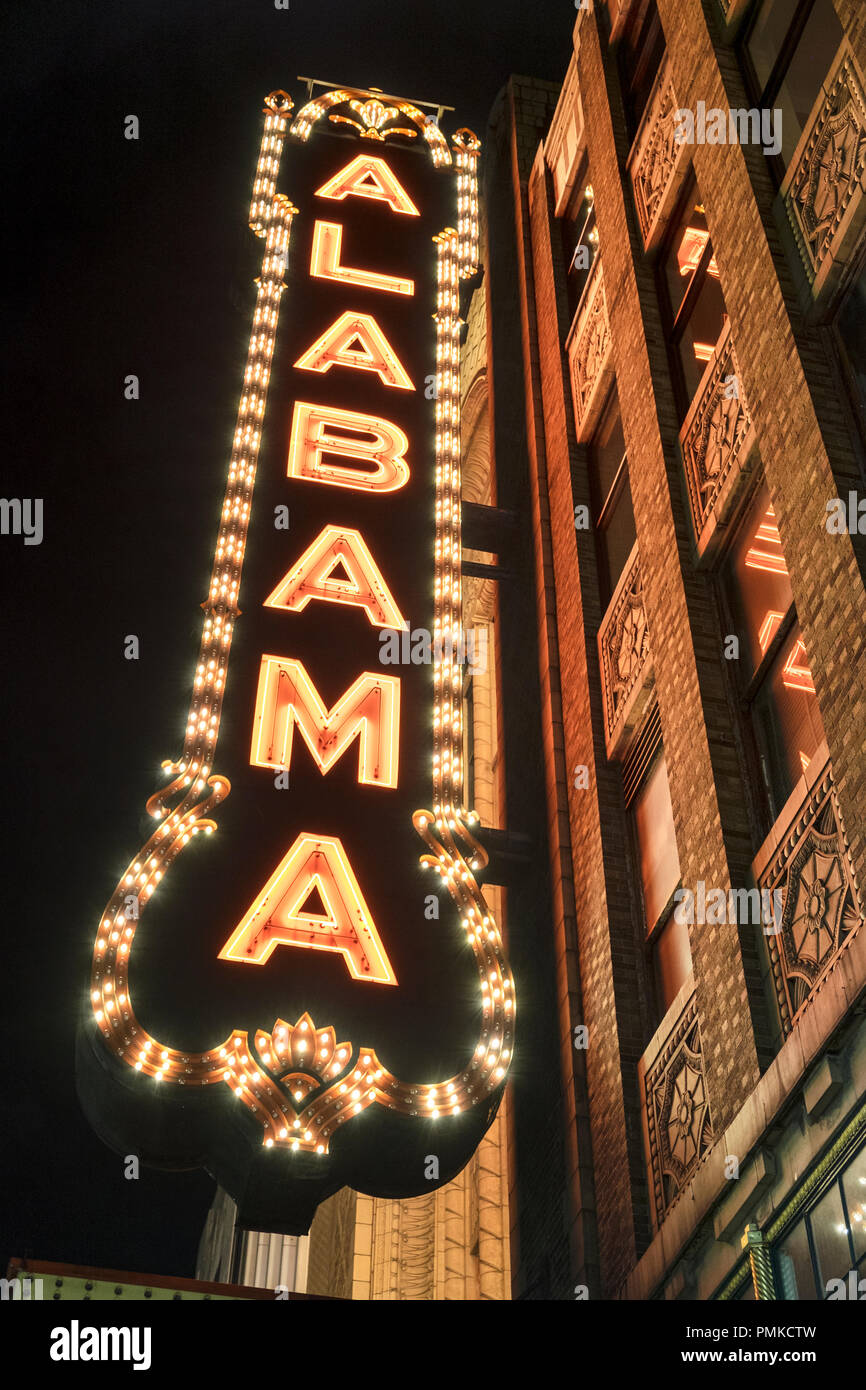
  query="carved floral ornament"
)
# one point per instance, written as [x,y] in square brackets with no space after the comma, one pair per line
[716,436]
[822,908]
[824,188]
[655,155]
[625,647]
[589,351]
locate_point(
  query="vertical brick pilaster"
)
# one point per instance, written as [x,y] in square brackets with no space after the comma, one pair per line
[608,939]
[802,432]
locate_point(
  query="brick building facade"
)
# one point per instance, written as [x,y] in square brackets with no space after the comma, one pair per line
[692,339]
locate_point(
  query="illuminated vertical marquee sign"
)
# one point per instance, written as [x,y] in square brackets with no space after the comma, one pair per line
[289,1011]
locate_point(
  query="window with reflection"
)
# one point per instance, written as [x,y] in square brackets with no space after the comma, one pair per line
[774,672]
[659,871]
[580,240]
[610,498]
[787,50]
[692,301]
[828,1242]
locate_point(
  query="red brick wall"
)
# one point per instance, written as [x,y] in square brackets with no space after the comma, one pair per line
[806,447]
[795,400]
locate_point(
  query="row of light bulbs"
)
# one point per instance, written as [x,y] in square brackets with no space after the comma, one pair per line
[447,832]
[319,106]
[271,217]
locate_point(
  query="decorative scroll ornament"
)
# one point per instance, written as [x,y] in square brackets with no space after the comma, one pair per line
[369,106]
[298,1081]
[375,118]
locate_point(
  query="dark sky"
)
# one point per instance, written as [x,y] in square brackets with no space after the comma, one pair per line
[132,257]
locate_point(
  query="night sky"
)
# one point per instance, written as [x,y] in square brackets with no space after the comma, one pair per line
[134,257]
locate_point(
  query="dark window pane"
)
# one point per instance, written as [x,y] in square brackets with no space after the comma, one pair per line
[608,449]
[768,35]
[617,537]
[789,719]
[851,326]
[657,841]
[806,72]
[639,57]
[612,512]
[830,1238]
[757,583]
[701,333]
[646,71]
[854,1183]
[794,1272]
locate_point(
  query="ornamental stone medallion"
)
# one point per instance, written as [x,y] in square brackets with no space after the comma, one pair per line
[657,159]
[624,648]
[678,1112]
[716,440]
[823,190]
[821,908]
[589,352]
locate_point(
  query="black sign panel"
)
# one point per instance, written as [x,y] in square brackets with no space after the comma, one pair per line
[299,1007]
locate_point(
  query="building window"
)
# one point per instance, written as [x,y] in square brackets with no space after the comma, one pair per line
[610,498]
[639,56]
[828,1242]
[787,51]
[773,664]
[580,241]
[850,337]
[658,864]
[693,305]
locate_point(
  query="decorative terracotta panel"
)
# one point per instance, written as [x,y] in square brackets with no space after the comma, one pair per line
[625,656]
[657,164]
[718,444]
[821,908]
[566,139]
[589,354]
[678,1126]
[823,190]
